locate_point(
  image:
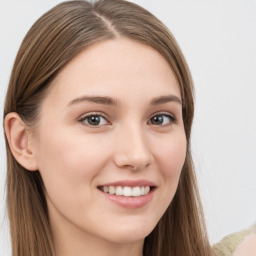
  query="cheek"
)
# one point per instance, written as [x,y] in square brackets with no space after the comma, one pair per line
[68,161]
[68,164]
[69,150]
[171,155]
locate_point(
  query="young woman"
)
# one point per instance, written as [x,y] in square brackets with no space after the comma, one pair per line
[97,120]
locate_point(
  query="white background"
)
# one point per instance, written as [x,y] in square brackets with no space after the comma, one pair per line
[218,39]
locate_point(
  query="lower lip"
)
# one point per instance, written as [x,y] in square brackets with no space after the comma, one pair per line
[130,202]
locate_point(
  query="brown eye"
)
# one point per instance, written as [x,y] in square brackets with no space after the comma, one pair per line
[162,119]
[94,120]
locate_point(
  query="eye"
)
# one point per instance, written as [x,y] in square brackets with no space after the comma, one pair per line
[162,119]
[94,120]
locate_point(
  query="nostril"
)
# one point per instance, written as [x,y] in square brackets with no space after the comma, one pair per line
[135,157]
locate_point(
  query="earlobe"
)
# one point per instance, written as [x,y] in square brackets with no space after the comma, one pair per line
[19,137]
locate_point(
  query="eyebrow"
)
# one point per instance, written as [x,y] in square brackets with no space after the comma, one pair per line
[105,100]
[164,99]
[95,99]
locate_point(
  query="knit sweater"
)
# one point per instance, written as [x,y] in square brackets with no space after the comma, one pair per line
[229,244]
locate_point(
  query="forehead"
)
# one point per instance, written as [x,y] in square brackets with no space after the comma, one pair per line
[118,68]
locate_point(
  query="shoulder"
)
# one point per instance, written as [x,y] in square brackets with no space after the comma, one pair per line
[247,247]
[237,244]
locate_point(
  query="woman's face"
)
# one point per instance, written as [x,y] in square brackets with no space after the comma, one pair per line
[111,129]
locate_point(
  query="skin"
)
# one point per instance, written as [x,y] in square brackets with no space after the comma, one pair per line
[247,247]
[74,157]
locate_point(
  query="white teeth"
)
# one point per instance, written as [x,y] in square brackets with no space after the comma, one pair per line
[142,191]
[105,189]
[119,191]
[136,191]
[126,191]
[147,189]
[111,190]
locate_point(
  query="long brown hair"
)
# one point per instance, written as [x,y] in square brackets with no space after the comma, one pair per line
[54,39]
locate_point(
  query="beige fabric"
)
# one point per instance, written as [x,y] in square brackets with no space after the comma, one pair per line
[228,244]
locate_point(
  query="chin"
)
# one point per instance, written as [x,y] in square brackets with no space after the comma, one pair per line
[130,233]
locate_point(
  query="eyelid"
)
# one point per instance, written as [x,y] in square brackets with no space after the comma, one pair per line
[84,116]
[164,113]
[168,114]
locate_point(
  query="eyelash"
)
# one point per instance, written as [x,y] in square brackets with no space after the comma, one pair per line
[84,118]
[172,119]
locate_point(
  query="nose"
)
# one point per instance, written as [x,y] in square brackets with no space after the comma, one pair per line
[133,150]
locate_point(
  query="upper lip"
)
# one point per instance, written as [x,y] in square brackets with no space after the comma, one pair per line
[130,183]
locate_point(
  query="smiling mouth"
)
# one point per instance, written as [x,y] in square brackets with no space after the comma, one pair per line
[126,191]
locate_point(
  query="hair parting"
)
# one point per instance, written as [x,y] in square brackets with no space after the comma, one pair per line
[55,39]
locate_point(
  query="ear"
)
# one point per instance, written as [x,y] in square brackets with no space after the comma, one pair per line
[20,141]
